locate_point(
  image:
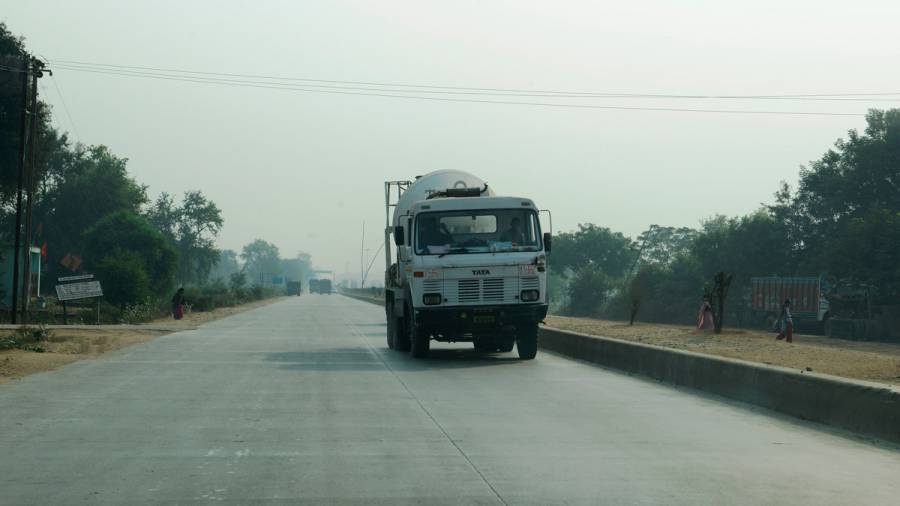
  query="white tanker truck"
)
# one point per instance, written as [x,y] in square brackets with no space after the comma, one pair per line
[470,266]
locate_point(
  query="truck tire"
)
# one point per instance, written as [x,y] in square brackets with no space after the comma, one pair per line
[391,322]
[401,332]
[526,341]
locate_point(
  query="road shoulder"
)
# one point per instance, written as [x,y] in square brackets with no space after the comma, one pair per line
[66,344]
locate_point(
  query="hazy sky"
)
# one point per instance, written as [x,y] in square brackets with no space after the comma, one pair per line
[304,170]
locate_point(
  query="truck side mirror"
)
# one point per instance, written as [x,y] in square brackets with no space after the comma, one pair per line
[548,242]
[399,237]
[403,253]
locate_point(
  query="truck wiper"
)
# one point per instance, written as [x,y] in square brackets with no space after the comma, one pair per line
[454,250]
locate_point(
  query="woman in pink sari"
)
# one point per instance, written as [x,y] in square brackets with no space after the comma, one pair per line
[705,317]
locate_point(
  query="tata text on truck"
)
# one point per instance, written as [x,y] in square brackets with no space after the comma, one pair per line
[470,266]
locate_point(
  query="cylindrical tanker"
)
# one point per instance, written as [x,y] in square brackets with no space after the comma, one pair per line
[437,181]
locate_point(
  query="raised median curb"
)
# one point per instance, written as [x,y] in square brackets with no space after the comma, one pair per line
[865,408]
[365,298]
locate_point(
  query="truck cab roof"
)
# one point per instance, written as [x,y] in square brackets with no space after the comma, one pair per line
[465,203]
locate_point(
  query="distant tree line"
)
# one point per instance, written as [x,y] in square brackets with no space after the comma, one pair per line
[92,216]
[842,222]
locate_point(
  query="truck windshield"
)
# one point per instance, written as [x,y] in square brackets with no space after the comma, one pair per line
[482,231]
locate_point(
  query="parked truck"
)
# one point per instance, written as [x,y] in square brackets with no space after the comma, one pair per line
[807,294]
[470,266]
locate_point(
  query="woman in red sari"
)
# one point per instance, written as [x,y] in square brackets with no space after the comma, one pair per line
[178,304]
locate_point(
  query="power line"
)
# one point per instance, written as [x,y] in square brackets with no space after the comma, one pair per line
[65,107]
[271,81]
[389,94]
[4,68]
[468,88]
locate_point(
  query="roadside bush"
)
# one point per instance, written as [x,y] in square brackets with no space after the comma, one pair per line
[9,342]
[238,285]
[209,297]
[558,292]
[142,312]
[26,338]
[588,290]
[123,277]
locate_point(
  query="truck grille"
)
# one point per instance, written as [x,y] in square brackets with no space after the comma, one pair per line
[530,283]
[432,285]
[492,290]
[469,290]
[482,290]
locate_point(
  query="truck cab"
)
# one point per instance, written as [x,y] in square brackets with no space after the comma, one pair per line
[470,267]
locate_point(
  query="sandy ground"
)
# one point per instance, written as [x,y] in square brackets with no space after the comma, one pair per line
[67,345]
[879,362]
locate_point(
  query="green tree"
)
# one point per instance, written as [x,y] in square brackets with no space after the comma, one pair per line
[123,277]
[846,206]
[11,50]
[753,245]
[661,245]
[261,261]
[127,232]
[609,251]
[164,215]
[192,228]
[867,251]
[67,213]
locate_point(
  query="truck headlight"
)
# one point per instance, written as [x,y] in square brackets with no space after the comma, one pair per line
[529,295]
[431,299]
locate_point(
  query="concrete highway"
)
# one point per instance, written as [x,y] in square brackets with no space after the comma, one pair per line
[301,402]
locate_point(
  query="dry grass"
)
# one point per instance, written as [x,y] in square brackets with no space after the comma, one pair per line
[879,362]
[67,345]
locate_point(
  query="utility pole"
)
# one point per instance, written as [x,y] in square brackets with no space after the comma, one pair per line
[36,73]
[17,243]
[362,258]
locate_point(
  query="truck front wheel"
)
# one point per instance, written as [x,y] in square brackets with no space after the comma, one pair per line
[401,335]
[401,332]
[391,322]
[526,340]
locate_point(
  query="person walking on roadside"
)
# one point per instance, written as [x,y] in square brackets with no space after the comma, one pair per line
[785,323]
[178,304]
[705,320]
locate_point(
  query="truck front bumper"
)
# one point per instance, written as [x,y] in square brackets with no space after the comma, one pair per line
[453,321]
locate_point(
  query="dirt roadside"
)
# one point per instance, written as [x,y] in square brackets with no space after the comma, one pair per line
[67,345]
[878,362]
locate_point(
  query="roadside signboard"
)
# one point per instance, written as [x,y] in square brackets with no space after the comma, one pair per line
[81,277]
[79,290]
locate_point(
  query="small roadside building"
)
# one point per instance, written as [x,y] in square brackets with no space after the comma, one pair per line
[6,274]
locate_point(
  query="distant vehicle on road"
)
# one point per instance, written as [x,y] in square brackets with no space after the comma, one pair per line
[471,266]
[807,294]
[322,286]
[294,288]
